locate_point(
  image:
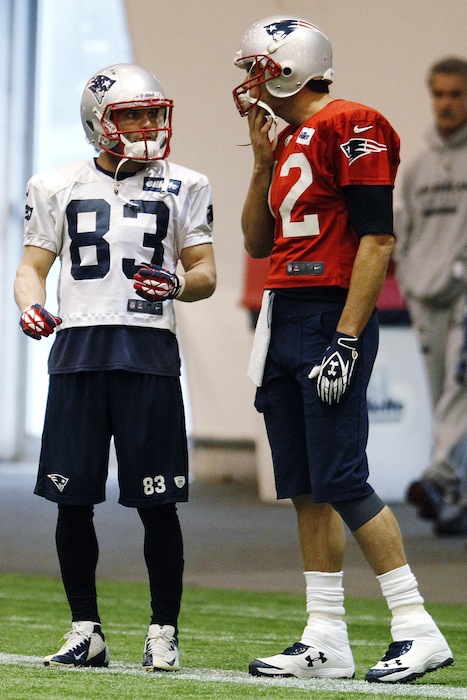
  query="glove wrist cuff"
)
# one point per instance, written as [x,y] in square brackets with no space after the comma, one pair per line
[26,308]
[181,287]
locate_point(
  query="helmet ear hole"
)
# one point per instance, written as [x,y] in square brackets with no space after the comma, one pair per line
[287,71]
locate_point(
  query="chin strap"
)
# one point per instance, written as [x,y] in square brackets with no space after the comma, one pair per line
[164,187]
[166,181]
[117,184]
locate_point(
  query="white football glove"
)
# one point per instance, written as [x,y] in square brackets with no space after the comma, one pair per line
[335,371]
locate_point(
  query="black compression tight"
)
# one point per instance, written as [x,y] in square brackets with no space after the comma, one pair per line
[163,553]
[78,552]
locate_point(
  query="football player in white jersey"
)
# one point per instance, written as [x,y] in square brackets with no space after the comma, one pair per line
[120,224]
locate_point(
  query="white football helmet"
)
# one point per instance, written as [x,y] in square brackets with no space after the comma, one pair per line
[284,53]
[126,86]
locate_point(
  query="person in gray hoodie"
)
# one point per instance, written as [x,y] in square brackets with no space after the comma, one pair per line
[431,257]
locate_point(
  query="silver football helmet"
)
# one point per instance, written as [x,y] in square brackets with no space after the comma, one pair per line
[126,86]
[284,53]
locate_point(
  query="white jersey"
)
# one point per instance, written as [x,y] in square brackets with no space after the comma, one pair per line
[103,230]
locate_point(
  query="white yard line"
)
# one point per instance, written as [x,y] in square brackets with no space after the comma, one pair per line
[206,675]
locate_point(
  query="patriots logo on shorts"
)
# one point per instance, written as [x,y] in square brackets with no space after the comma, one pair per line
[59,481]
[279,30]
[356,148]
[99,85]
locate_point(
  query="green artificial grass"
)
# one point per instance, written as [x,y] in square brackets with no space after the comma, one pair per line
[220,632]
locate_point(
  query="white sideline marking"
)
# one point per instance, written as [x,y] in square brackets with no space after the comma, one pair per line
[207,675]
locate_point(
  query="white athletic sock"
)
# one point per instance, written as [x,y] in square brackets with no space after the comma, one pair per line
[325,608]
[324,593]
[400,588]
[410,620]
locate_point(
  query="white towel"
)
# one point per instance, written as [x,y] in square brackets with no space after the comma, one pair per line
[261,340]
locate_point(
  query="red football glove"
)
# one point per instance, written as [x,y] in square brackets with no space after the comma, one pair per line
[37,322]
[153,283]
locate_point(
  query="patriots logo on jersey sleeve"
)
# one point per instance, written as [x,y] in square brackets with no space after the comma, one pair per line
[27,212]
[357,148]
[279,30]
[99,85]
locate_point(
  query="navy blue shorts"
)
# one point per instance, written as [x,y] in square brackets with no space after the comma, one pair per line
[142,412]
[316,449]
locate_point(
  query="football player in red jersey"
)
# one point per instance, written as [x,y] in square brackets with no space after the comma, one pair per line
[320,204]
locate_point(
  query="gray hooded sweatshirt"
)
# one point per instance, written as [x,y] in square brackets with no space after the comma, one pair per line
[431,226]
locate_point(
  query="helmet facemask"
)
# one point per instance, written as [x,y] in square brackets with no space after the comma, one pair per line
[153,143]
[261,69]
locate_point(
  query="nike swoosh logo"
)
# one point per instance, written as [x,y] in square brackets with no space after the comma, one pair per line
[360,129]
[79,656]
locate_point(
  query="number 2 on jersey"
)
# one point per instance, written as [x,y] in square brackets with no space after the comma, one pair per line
[309,225]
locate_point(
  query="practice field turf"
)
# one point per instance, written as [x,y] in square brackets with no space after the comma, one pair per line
[220,632]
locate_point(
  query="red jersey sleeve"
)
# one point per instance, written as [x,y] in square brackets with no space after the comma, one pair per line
[365,147]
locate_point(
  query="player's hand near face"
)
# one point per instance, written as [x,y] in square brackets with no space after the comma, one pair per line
[259,123]
[257,221]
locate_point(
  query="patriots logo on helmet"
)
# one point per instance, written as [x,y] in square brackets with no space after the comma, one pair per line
[59,481]
[357,148]
[99,85]
[279,30]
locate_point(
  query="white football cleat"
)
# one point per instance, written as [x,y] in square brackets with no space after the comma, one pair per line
[85,646]
[161,649]
[303,661]
[407,660]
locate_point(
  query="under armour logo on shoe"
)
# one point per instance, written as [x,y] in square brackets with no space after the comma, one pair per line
[59,481]
[321,658]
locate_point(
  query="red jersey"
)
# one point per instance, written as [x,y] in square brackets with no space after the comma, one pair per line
[345,143]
